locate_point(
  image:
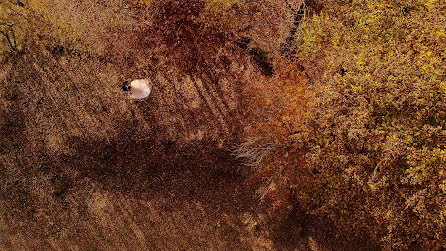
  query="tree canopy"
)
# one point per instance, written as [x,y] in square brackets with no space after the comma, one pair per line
[369,149]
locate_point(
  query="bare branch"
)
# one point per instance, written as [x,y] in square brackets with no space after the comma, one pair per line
[298,12]
[253,151]
[14,39]
[11,39]
[8,39]
[291,7]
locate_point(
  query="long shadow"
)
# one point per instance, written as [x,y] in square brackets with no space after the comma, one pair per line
[290,229]
[151,169]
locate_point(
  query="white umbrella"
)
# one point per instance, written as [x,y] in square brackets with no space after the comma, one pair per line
[139,89]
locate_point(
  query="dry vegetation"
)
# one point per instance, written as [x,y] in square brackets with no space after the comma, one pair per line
[285,125]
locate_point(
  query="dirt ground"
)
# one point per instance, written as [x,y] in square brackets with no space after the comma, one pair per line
[80,173]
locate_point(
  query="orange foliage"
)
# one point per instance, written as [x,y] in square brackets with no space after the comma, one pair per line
[280,105]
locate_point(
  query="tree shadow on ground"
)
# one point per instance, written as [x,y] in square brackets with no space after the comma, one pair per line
[149,169]
[297,228]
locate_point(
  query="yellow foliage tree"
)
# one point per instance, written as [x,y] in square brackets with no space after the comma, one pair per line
[370,136]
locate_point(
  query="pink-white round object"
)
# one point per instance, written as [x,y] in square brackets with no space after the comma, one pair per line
[140,89]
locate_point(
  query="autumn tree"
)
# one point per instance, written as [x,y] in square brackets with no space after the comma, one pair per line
[372,138]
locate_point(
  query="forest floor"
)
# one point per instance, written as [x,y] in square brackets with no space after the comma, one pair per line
[138,188]
[83,167]
[138,196]
[160,178]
